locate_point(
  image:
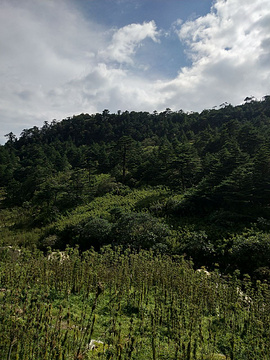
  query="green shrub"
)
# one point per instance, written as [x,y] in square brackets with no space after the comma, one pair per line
[251,251]
[140,230]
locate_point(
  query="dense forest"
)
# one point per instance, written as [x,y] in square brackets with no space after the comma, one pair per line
[193,184]
[188,184]
[105,218]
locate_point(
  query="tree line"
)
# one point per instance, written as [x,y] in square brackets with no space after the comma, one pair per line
[217,160]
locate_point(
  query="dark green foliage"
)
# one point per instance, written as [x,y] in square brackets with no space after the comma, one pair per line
[140,231]
[203,178]
[197,246]
[95,233]
[131,230]
[251,252]
[173,149]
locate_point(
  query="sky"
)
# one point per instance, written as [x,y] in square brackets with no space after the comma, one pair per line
[60,58]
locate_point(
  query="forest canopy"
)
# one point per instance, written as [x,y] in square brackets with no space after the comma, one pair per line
[194,184]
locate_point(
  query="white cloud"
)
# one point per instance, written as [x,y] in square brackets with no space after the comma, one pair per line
[55,62]
[229,48]
[126,40]
[44,44]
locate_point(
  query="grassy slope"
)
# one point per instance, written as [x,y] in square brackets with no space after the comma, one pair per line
[140,306]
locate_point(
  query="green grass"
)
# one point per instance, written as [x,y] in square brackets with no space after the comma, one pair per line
[140,306]
[103,206]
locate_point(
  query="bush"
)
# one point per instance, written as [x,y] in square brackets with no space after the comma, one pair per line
[96,232]
[140,230]
[196,245]
[251,251]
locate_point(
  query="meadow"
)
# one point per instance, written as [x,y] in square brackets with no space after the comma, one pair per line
[132,305]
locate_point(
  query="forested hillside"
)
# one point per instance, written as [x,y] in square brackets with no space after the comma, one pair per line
[104,220]
[193,184]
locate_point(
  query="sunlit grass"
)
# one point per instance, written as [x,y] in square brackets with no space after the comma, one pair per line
[139,305]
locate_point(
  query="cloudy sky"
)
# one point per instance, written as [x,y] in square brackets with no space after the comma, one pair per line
[64,57]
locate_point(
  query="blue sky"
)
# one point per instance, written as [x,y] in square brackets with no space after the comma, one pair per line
[59,58]
[164,12]
[166,55]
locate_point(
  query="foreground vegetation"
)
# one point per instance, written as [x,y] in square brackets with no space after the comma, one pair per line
[138,305]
